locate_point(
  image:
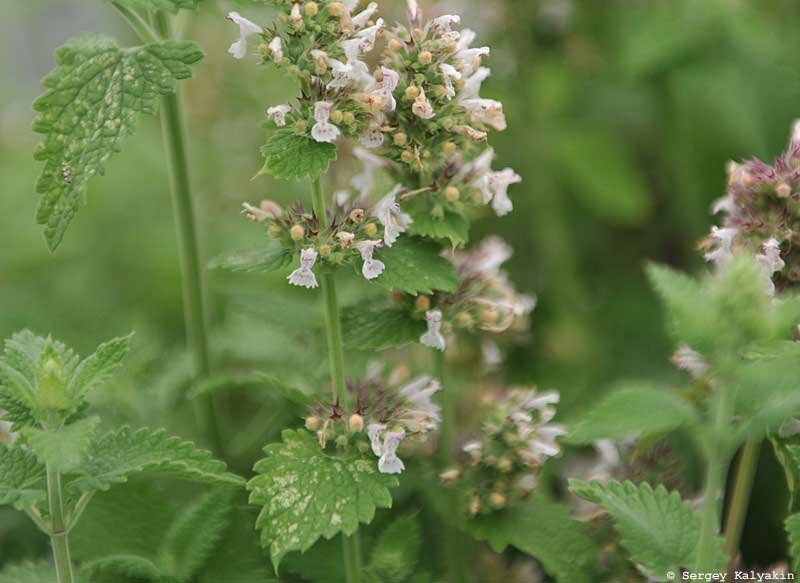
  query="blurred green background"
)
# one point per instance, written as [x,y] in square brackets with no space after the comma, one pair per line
[622,115]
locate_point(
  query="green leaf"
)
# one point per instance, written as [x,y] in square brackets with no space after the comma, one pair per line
[155,5]
[92,100]
[658,529]
[378,326]
[603,174]
[117,454]
[633,408]
[543,529]
[265,382]
[15,412]
[415,266]
[119,568]
[42,572]
[270,258]
[306,493]
[291,156]
[192,538]
[97,368]
[65,448]
[793,529]
[396,552]
[451,225]
[22,478]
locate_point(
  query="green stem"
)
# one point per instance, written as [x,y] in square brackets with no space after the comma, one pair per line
[716,472]
[742,486]
[333,330]
[58,530]
[137,23]
[194,293]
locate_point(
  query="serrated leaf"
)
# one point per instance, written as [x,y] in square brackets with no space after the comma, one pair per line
[118,568]
[291,156]
[378,326]
[414,266]
[633,408]
[97,367]
[22,478]
[270,258]
[93,100]
[15,412]
[264,381]
[792,525]
[156,5]
[658,529]
[306,493]
[42,572]
[451,225]
[118,454]
[65,448]
[396,552]
[543,529]
[191,539]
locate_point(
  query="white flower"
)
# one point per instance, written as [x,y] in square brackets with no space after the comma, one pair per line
[374,432]
[770,262]
[487,257]
[491,355]
[472,84]
[433,337]
[276,49]
[303,276]
[485,111]
[372,268]
[468,60]
[689,360]
[246,30]
[422,107]
[254,213]
[388,84]
[543,445]
[360,20]
[413,10]
[388,212]
[342,74]
[277,113]
[345,238]
[723,204]
[389,463]
[323,131]
[724,240]
[498,183]
[372,138]
[450,74]
[365,180]
[473,448]
[421,413]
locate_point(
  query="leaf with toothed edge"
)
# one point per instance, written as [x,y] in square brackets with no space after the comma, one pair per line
[414,265]
[270,258]
[291,156]
[22,478]
[305,493]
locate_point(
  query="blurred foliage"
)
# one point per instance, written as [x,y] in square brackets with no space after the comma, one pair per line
[622,116]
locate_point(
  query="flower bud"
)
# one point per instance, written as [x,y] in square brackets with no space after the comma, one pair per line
[341,441]
[497,500]
[311,9]
[449,148]
[783,190]
[474,505]
[451,193]
[348,117]
[312,423]
[357,215]
[370,229]
[274,231]
[439,90]
[356,423]
[263,49]
[464,319]
[396,296]
[400,139]
[425,57]
[336,9]
[395,44]
[489,316]
[297,232]
[504,464]
[437,211]
[407,156]
[294,71]
[336,116]
[423,303]
[412,92]
[300,125]
[325,250]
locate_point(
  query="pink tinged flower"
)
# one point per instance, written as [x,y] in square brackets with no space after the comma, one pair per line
[421,413]
[433,337]
[360,20]
[724,239]
[388,84]
[770,262]
[689,360]
[485,111]
[343,74]
[276,49]
[444,24]
[499,183]
[375,432]
[364,181]
[372,268]
[422,108]
[372,138]
[246,30]
[255,214]
[303,276]
[450,74]
[277,113]
[489,256]
[388,212]
[323,131]
[389,463]
[414,15]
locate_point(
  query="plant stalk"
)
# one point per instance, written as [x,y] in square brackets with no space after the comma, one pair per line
[333,331]
[740,499]
[194,293]
[58,530]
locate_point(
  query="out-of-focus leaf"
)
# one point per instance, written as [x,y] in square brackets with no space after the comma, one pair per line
[378,326]
[270,258]
[22,479]
[396,552]
[65,448]
[42,572]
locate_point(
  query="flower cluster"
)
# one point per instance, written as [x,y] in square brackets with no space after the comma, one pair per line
[762,215]
[485,300]
[517,437]
[353,233]
[385,414]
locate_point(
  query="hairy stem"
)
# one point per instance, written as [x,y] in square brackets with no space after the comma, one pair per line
[742,486]
[58,530]
[333,331]
[194,293]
